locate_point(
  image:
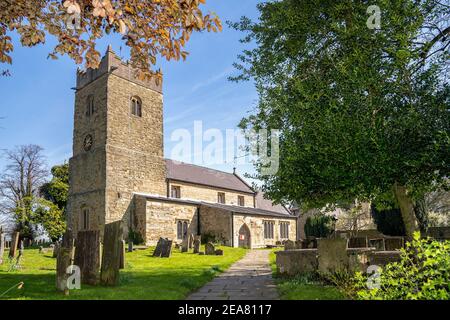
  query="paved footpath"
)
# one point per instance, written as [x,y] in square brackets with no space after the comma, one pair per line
[247,279]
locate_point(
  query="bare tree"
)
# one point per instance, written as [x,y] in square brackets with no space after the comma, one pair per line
[24,173]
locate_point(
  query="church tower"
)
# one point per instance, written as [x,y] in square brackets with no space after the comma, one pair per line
[117,144]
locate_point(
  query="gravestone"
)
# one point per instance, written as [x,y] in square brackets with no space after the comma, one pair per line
[289,245]
[197,242]
[219,252]
[158,249]
[332,255]
[20,255]
[64,259]
[299,244]
[2,245]
[184,245]
[210,249]
[14,244]
[191,241]
[112,253]
[87,255]
[166,250]
[56,249]
[122,254]
[130,246]
[163,248]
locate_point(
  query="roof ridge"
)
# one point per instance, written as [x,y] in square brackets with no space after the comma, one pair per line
[203,167]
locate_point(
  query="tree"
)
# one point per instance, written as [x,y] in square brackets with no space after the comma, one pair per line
[51,211]
[362,113]
[148,27]
[19,184]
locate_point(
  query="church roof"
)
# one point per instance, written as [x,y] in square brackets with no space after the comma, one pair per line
[227,207]
[248,210]
[266,204]
[190,173]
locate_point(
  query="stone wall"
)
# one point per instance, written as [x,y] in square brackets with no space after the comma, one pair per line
[217,223]
[127,151]
[256,226]
[209,194]
[161,220]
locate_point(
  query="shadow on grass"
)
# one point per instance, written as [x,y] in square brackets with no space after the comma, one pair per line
[133,285]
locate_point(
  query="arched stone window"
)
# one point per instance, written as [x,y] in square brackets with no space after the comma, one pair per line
[136,106]
[90,108]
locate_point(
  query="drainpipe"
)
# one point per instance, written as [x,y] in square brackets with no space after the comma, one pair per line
[232,229]
[198,221]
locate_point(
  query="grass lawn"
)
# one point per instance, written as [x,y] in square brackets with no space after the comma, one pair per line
[144,277]
[302,288]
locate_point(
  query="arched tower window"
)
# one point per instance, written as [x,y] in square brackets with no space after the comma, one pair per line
[136,106]
[85,214]
[90,109]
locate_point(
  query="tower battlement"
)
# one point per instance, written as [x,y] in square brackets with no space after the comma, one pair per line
[112,64]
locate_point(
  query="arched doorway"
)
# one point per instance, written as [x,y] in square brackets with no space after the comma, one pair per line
[244,237]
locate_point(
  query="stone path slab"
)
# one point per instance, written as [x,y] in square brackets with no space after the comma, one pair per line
[247,279]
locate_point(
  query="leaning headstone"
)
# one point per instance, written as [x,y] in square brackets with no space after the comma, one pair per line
[158,249]
[112,252]
[197,242]
[289,245]
[122,254]
[63,261]
[219,252]
[14,244]
[210,249]
[2,246]
[166,249]
[332,255]
[87,255]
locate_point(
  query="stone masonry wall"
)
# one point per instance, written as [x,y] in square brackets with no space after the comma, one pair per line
[161,220]
[217,223]
[209,194]
[134,151]
[256,226]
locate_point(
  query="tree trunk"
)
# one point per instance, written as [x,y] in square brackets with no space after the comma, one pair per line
[407,210]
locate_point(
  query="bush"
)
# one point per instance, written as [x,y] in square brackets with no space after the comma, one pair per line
[319,226]
[389,221]
[135,237]
[423,273]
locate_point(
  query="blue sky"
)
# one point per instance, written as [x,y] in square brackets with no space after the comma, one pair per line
[37,101]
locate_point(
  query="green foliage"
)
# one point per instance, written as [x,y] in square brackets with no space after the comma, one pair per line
[357,109]
[57,190]
[148,279]
[52,219]
[423,273]
[319,226]
[50,211]
[388,221]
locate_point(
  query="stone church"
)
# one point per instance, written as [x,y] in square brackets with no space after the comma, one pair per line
[118,172]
